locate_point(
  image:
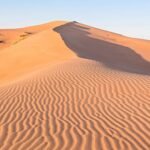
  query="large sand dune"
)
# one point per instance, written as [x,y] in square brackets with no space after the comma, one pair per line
[70,86]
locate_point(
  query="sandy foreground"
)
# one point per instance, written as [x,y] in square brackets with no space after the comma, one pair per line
[68,86]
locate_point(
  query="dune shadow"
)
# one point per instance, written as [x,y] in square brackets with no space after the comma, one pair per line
[114,56]
[1,41]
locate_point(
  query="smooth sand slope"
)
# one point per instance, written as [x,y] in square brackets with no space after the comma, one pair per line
[10,37]
[43,47]
[71,86]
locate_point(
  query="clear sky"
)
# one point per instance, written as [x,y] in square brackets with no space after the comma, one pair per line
[128,17]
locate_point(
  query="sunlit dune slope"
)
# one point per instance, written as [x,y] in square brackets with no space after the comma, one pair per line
[44,47]
[10,37]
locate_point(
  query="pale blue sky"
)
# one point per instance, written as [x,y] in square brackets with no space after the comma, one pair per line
[128,17]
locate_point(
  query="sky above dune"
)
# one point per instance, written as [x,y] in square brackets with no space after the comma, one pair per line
[128,17]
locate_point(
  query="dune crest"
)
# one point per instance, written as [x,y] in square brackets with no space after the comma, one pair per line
[69,86]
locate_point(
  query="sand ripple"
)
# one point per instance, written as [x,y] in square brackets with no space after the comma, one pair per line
[76,105]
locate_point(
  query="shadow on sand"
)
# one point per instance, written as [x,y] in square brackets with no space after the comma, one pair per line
[114,56]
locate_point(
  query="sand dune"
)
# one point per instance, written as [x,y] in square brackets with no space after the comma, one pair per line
[71,86]
[10,37]
[33,52]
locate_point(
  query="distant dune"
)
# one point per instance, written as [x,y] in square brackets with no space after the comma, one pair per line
[65,85]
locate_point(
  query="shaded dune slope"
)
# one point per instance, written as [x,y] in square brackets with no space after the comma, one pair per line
[115,56]
[99,100]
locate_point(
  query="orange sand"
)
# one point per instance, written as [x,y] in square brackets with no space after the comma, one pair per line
[70,86]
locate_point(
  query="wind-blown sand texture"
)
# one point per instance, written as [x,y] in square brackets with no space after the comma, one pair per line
[68,86]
